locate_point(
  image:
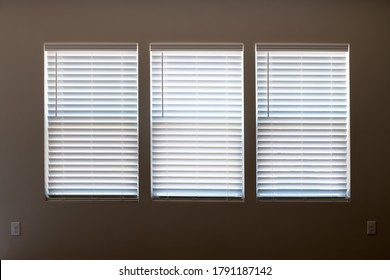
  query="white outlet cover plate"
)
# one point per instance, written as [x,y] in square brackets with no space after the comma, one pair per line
[15,228]
[371,227]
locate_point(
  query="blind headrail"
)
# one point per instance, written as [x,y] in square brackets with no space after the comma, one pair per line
[196,47]
[89,46]
[302,47]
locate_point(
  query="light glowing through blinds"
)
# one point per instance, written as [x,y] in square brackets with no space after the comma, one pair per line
[197,121]
[302,122]
[91,121]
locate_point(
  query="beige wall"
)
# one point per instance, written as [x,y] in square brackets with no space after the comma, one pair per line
[153,230]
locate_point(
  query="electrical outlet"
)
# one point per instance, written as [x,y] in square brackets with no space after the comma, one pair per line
[15,228]
[371,227]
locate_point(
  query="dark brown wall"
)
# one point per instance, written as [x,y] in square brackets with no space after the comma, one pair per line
[153,230]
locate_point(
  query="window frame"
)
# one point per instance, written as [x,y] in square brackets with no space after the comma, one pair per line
[300,47]
[198,47]
[93,47]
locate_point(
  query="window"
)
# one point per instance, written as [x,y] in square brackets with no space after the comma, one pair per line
[91,121]
[197,121]
[302,121]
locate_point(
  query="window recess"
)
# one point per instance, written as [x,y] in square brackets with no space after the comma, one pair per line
[91,121]
[303,143]
[197,121]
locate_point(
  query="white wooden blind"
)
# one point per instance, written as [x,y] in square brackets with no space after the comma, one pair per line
[91,121]
[197,121]
[302,121]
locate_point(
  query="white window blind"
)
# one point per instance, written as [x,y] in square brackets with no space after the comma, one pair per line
[302,121]
[197,121]
[91,121]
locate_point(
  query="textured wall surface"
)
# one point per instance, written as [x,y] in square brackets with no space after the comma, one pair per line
[206,230]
